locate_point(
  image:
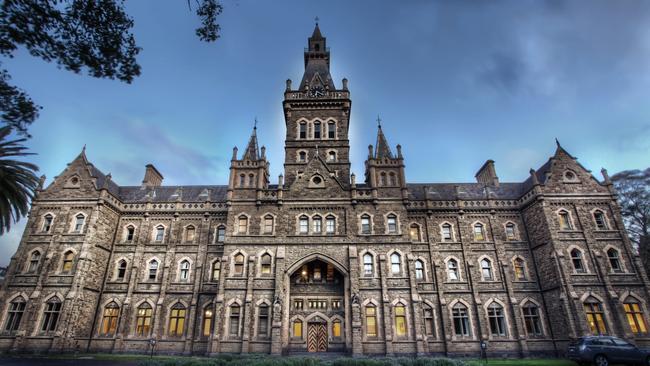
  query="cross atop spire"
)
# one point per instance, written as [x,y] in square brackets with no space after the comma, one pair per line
[378,121]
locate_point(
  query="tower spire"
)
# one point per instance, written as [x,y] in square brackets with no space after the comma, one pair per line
[382,149]
[252,150]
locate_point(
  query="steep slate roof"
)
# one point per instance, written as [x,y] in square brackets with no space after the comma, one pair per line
[252,150]
[216,193]
[382,149]
[447,191]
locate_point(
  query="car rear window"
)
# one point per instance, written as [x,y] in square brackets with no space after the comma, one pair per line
[620,342]
[601,342]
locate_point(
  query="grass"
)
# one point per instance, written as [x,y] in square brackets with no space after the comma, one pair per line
[524,362]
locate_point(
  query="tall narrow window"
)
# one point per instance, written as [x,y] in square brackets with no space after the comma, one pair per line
[143,319]
[395,263]
[79,223]
[614,260]
[184,271]
[461,320]
[109,319]
[371,321]
[130,233]
[510,231]
[221,234]
[634,316]
[391,223]
[382,179]
[242,225]
[392,179]
[317,224]
[331,130]
[263,321]
[160,233]
[367,265]
[177,320]
[595,318]
[51,315]
[242,180]
[419,270]
[207,321]
[486,270]
[15,314]
[239,264]
[565,221]
[414,232]
[317,130]
[452,270]
[47,223]
[303,131]
[428,321]
[266,264]
[365,224]
[34,260]
[216,270]
[531,319]
[599,218]
[190,233]
[446,232]
[576,259]
[400,320]
[68,261]
[234,320]
[520,269]
[121,270]
[251,180]
[302,156]
[479,232]
[268,224]
[330,226]
[303,224]
[297,328]
[336,328]
[497,320]
[153,270]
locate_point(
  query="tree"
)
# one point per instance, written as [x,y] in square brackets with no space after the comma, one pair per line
[18,180]
[633,187]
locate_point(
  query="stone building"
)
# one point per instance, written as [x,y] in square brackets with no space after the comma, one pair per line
[321,261]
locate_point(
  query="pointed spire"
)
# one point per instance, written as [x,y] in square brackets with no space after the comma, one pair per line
[316,34]
[382,149]
[252,150]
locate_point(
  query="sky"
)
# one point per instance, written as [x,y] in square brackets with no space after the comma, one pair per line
[455,83]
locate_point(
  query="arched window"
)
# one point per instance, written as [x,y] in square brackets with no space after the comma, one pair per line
[317,130]
[47,223]
[461,320]
[317,223]
[303,130]
[565,220]
[190,233]
[263,321]
[303,224]
[479,232]
[121,269]
[395,263]
[599,218]
[429,328]
[251,180]
[497,319]
[391,223]
[330,224]
[302,156]
[531,319]
[143,319]
[414,232]
[242,180]
[51,315]
[331,156]
[68,261]
[34,261]
[297,328]
[233,328]
[15,314]
[242,224]
[486,270]
[266,264]
[510,231]
[216,270]
[79,223]
[109,319]
[239,264]
[419,270]
[393,179]
[382,179]
[221,234]
[153,270]
[130,233]
[452,270]
[595,318]
[576,259]
[336,328]
[614,260]
[634,316]
[208,316]
[400,320]
[184,271]
[331,130]
[365,224]
[160,233]
[371,321]
[446,232]
[268,224]
[368,265]
[177,320]
[520,269]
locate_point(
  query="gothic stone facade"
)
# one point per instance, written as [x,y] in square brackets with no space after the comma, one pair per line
[320,262]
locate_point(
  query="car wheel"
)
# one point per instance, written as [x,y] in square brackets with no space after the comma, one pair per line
[601,360]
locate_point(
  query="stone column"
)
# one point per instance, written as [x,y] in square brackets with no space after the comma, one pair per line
[280,305]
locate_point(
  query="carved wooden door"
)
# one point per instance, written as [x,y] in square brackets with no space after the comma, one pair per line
[317,338]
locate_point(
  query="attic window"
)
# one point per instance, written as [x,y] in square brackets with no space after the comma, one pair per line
[570,176]
[74,180]
[316,182]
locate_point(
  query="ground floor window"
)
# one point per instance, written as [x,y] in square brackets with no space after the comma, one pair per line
[461,320]
[531,319]
[207,322]
[595,319]
[336,328]
[635,317]
[297,328]
[109,319]
[371,321]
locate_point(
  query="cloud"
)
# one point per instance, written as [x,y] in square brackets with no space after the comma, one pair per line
[504,72]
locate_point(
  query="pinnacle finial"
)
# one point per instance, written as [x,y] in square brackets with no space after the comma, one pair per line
[378,121]
[316,20]
[255,123]
[83,149]
[557,142]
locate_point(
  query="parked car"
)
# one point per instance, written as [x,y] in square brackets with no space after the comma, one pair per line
[605,351]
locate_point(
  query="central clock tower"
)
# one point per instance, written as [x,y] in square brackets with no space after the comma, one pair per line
[317,116]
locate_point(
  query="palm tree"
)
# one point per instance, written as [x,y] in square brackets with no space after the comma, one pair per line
[18,181]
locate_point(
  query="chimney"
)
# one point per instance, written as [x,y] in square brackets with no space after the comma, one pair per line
[488,174]
[152,177]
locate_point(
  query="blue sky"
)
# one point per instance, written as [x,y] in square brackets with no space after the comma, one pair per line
[455,82]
